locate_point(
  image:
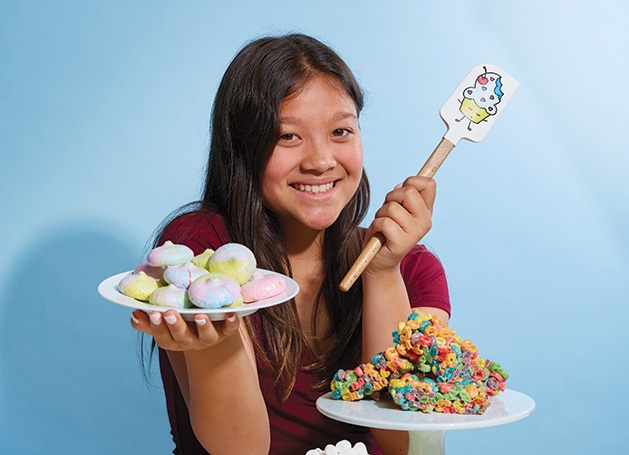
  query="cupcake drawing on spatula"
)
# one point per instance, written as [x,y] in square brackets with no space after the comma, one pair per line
[479,101]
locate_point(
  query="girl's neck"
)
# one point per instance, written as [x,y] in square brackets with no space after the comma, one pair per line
[305,255]
[303,244]
[304,251]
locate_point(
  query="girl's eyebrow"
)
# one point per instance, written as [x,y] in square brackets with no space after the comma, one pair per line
[345,115]
[342,115]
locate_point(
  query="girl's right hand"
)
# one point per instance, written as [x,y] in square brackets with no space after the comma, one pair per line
[173,333]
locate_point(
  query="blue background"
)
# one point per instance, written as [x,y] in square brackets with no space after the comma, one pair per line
[103,131]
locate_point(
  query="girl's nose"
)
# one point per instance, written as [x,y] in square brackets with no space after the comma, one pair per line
[319,157]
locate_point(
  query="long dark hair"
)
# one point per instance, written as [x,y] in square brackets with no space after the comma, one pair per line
[245,128]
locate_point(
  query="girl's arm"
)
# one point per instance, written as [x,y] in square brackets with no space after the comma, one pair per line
[404,219]
[227,410]
[218,379]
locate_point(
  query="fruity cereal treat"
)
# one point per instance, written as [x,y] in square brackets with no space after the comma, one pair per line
[430,369]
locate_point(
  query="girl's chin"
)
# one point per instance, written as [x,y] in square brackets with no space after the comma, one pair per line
[317,226]
[315,223]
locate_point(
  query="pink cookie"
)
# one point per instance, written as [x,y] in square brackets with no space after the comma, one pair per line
[262,287]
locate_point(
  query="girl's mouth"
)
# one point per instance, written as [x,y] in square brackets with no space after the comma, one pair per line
[314,189]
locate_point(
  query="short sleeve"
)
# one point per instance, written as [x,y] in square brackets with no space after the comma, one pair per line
[198,230]
[425,279]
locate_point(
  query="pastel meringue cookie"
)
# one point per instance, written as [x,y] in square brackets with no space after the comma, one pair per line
[138,286]
[235,260]
[170,296]
[169,254]
[153,272]
[214,290]
[183,275]
[203,260]
[262,286]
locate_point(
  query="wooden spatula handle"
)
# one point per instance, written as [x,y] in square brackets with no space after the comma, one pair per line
[370,250]
[363,260]
[436,159]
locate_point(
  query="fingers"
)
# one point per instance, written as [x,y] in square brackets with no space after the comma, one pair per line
[177,333]
[406,193]
[231,324]
[407,209]
[155,325]
[403,220]
[140,321]
[173,333]
[210,333]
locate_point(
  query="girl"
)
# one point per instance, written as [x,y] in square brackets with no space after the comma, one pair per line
[285,177]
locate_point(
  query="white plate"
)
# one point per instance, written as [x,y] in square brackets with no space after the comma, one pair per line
[109,290]
[506,407]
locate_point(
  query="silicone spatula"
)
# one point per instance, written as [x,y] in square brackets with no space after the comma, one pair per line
[469,113]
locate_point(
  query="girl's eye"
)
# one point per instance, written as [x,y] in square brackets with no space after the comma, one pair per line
[288,137]
[341,132]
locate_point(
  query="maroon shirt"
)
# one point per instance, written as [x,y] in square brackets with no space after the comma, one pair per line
[296,426]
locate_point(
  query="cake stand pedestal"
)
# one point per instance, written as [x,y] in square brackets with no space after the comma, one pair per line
[426,431]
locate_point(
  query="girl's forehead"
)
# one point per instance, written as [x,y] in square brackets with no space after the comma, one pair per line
[313,85]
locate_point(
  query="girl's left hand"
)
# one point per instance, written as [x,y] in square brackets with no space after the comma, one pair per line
[404,218]
[171,332]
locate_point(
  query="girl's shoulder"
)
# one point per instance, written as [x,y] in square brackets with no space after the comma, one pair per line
[199,229]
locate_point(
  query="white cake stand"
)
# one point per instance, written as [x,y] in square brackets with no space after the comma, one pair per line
[426,431]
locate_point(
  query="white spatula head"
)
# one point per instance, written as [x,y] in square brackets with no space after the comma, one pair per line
[477,102]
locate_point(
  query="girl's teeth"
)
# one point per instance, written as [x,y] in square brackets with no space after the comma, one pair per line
[316,189]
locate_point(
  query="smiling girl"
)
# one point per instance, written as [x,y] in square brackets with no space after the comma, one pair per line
[285,178]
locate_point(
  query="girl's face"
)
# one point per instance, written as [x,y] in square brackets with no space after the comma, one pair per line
[317,164]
